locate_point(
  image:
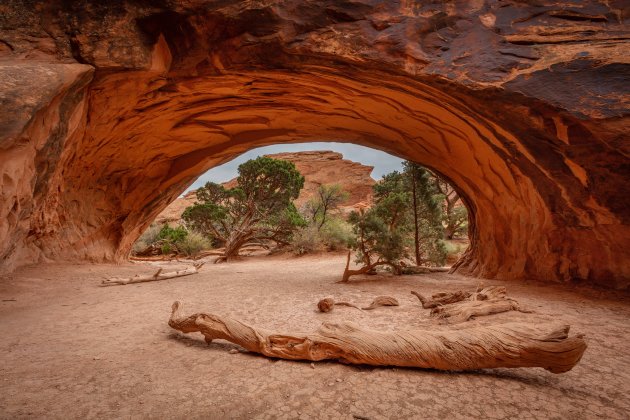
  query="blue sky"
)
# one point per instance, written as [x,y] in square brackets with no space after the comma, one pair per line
[382,162]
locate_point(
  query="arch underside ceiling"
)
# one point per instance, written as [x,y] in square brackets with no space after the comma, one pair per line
[113,143]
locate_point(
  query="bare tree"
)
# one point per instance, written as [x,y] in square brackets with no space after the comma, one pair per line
[328,198]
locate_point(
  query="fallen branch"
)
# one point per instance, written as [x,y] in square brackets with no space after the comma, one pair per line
[327,304]
[463,311]
[153,277]
[461,306]
[382,301]
[507,345]
[440,299]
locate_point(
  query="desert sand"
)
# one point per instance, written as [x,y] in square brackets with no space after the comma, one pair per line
[71,349]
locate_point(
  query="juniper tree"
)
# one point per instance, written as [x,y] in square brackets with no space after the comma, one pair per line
[260,208]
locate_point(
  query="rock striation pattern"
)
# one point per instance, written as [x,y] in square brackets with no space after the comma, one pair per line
[111,109]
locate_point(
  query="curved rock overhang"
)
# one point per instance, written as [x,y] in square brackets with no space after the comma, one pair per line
[117,108]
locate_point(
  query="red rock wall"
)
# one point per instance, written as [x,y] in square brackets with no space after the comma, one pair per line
[111,110]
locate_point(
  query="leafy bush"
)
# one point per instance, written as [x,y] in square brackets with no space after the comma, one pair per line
[436,252]
[336,234]
[165,240]
[166,248]
[193,243]
[172,235]
[306,240]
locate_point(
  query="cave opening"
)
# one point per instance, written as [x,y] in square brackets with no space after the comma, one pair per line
[343,178]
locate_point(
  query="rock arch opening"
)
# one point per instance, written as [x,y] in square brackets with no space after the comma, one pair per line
[104,145]
[346,176]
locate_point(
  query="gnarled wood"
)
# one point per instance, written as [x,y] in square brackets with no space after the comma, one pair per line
[463,311]
[443,298]
[506,345]
[328,304]
[382,301]
[153,277]
[347,272]
[461,306]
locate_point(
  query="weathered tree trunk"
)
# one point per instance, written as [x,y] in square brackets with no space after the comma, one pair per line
[153,277]
[416,233]
[347,272]
[461,306]
[366,269]
[440,299]
[446,298]
[463,311]
[506,345]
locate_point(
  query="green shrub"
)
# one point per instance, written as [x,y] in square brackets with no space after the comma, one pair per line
[166,248]
[336,234]
[306,240]
[172,235]
[193,243]
[436,253]
[168,239]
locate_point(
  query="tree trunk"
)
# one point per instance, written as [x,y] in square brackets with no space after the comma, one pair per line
[449,232]
[415,221]
[347,273]
[232,246]
[507,345]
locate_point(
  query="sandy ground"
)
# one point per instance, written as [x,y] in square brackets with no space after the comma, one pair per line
[71,349]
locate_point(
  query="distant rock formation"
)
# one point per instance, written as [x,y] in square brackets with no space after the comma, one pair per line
[318,168]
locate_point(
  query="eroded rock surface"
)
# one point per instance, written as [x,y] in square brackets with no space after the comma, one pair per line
[111,109]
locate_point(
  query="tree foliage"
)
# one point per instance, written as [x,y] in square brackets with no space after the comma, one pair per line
[407,215]
[454,213]
[426,215]
[260,208]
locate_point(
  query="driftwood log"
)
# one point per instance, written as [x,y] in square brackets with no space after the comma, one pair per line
[440,299]
[464,311]
[507,345]
[328,304]
[461,306]
[159,275]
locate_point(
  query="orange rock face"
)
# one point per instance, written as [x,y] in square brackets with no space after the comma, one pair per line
[110,110]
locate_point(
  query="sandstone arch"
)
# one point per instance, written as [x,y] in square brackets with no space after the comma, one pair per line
[112,110]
